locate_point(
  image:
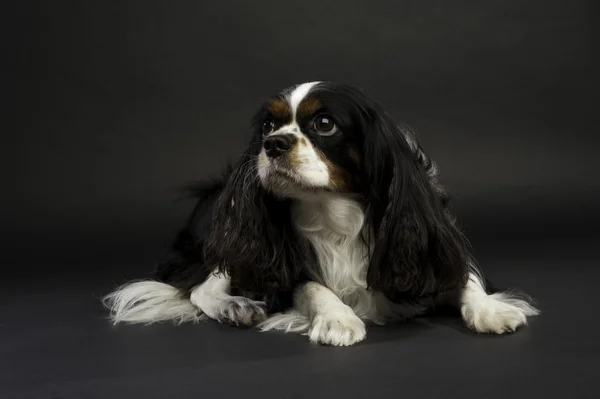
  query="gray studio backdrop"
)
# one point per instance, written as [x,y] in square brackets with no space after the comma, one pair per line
[119,104]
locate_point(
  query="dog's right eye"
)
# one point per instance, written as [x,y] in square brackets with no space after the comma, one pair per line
[267,127]
[325,126]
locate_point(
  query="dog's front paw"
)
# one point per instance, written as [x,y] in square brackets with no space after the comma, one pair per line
[241,311]
[337,327]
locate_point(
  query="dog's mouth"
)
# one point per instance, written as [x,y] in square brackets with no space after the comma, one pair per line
[284,172]
[278,174]
[281,178]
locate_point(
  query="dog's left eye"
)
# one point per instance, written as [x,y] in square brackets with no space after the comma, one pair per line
[324,125]
[267,127]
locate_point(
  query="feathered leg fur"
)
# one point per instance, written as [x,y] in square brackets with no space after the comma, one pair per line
[483,310]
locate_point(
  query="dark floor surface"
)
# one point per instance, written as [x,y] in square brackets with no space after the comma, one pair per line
[56,343]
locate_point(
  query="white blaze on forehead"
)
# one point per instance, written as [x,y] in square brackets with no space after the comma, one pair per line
[297,95]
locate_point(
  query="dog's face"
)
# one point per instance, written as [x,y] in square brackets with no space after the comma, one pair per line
[309,143]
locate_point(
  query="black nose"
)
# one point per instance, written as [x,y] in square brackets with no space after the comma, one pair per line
[279,144]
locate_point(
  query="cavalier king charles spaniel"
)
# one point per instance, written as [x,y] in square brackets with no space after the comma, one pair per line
[334,217]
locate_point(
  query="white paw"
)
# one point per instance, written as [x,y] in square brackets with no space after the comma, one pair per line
[337,327]
[241,311]
[497,313]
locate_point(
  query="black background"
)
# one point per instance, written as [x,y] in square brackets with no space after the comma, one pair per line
[114,106]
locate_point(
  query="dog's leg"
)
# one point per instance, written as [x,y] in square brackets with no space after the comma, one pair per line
[213,298]
[331,321]
[496,313]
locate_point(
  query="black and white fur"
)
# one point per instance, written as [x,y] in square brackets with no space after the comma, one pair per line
[280,245]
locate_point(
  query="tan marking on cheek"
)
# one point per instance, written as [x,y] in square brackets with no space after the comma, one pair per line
[303,141]
[308,107]
[294,157]
[340,179]
[280,109]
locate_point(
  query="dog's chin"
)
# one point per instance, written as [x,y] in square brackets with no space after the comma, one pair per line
[287,183]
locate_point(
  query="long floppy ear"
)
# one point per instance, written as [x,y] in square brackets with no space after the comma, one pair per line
[182,267]
[418,251]
[252,238]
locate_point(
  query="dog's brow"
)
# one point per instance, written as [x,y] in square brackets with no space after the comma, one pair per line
[308,107]
[279,108]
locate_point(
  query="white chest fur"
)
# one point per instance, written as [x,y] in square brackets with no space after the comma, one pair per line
[334,225]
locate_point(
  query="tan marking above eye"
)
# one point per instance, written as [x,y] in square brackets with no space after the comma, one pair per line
[308,107]
[303,141]
[279,108]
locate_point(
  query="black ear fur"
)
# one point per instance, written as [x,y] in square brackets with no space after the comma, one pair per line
[252,238]
[183,266]
[418,251]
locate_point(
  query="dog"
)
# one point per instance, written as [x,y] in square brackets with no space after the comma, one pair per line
[333,218]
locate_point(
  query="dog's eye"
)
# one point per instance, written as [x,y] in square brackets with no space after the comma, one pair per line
[325,126]
[267,127]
